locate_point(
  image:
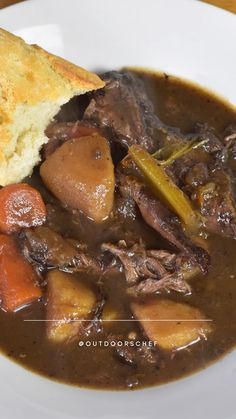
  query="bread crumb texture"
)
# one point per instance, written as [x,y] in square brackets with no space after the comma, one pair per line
[34,84]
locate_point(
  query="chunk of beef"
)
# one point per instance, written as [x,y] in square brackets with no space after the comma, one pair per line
[230,140]
[212,146]
[162,220]
[204,176]
[198,175]
[123,110]
[48,249]
[151,271]
[216,202]
[137,261]
[211,155]
[169,282]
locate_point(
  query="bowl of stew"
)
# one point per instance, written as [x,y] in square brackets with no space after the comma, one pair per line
[130,222]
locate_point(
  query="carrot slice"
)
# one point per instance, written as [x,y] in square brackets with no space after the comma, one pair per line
[17,277]
[20,206]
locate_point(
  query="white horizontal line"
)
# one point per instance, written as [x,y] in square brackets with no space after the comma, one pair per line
[119,320]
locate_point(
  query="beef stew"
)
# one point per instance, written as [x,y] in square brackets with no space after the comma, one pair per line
[133,271]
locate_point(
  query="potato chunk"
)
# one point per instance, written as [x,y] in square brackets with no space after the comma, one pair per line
[67,299]
[80,174]
[172,325]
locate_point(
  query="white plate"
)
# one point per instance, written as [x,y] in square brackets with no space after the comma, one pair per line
[183,37]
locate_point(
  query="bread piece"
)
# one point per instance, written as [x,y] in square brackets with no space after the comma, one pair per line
[33,86]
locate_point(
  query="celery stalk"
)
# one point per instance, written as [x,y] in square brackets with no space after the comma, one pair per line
[164,187]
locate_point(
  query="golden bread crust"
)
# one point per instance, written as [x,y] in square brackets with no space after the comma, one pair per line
[29,78]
